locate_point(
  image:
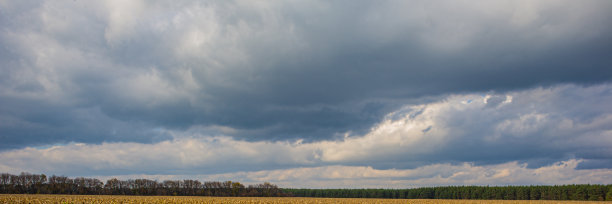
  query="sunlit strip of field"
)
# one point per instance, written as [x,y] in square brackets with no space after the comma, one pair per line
[21,198]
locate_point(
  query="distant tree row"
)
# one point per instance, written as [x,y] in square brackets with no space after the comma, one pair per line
[26,183]
[565,192]
[41,184]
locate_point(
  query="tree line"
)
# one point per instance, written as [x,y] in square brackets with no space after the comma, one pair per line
[564,192]
[27,183]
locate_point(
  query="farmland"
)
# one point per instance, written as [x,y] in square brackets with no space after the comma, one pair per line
[42,198]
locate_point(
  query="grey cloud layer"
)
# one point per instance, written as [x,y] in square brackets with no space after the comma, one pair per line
[126,71]
[534,128]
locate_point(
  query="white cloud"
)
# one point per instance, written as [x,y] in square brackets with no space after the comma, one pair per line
[337,176]
[123,18]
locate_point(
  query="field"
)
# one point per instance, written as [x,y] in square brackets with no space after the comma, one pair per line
[21,198]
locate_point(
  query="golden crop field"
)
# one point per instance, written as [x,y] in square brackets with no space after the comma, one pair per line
[20,198]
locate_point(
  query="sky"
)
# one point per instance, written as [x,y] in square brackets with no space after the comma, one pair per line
[314,94]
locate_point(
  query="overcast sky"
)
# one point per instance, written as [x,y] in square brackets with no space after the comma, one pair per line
[345,94]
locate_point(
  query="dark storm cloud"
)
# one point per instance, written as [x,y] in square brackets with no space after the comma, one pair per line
[27,122]
[563,128]
[275,70]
